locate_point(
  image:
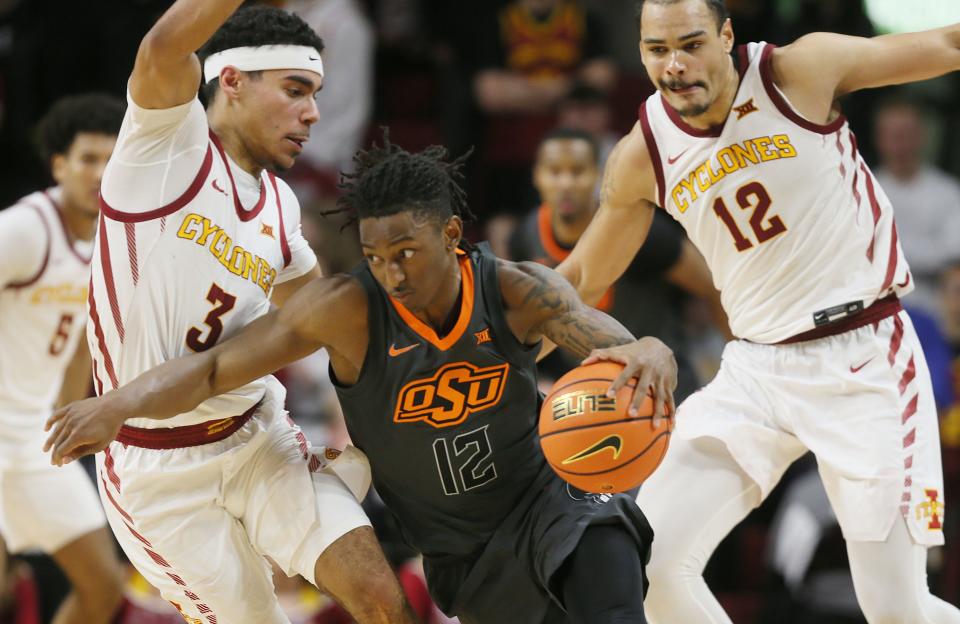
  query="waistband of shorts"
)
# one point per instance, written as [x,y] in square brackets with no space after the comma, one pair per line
[166,438]
[879,310]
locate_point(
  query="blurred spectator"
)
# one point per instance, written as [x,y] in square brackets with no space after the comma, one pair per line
[588,108]
[649,299]
[538,50]
[950,300]
[925,199]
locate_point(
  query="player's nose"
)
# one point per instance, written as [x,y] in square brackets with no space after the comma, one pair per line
[675,64]
[395,275]
[312,113]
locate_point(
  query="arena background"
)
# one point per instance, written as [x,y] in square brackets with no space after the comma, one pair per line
[424,69]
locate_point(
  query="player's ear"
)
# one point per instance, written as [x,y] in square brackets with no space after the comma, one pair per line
[58,164]
[452,232]
[231,79]
[726,35]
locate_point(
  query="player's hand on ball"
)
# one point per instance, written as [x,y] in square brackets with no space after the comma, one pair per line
[653,364]
[81,428]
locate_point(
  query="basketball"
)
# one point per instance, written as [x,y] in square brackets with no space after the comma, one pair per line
[589,439]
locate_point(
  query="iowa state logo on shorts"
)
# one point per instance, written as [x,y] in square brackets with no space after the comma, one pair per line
[451,394]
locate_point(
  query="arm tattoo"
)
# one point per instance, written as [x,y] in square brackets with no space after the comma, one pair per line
[563,318]
[606,186]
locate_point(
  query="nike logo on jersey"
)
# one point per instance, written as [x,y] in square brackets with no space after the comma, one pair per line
[856,369]
[674,159]
[612,442]
[394,351]
[216,187]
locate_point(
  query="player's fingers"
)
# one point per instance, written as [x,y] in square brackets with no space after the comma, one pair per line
[628,373]
[54,418]
[603,355]
[640,393]
[58,434]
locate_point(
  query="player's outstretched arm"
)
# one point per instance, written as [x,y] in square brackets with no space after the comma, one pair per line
[817,68]
[541,304]
[167,70]
[621,223]
[312,318]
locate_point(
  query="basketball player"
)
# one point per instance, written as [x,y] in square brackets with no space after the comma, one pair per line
[747,149]
[432,346]
[196,237]
[649,298]
[45,243]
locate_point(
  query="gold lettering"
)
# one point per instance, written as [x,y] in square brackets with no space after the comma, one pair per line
[715,176]
[730,163]
[688,184]
[188,228]
[209,227]
[743,154]
[249,266]
[221,236]
[681,202]
[763,145]
[782,141]
[702,184]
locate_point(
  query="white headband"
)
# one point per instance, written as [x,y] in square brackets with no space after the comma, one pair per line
[256,58]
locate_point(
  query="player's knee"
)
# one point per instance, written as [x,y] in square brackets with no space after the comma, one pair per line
[381,600]
[880,606]
[100,593]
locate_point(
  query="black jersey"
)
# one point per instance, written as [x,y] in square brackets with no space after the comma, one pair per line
[450,428]
[449,425]
[642,300]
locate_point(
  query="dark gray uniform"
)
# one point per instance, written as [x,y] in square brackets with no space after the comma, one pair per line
[450,427]
[643,300]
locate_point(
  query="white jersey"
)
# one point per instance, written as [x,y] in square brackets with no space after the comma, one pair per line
[188,249]
[43,312]
[785,211]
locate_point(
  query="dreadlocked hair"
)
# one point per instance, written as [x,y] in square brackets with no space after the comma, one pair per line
[388,180]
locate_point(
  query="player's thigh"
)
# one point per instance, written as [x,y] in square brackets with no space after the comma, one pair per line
[291,505]
[696,496]
[737,410]
[48,507]
[197,555]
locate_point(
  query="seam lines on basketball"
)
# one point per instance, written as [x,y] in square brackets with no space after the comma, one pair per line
[600,424]
[618,466]
[556,391]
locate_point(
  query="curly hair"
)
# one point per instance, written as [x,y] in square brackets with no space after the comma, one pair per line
[389,180]
[717,7]
[257,26]
[96,113]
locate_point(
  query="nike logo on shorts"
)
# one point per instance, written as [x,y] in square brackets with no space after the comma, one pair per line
[856,369]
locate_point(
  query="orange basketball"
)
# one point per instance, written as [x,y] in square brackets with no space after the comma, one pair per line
[589,439]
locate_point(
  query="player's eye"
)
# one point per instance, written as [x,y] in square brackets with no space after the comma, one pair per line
[372,259]
[407,253]
[694,45]
[294,92]
[658,50]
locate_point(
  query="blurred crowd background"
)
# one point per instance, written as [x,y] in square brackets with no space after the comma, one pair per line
[498,77]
